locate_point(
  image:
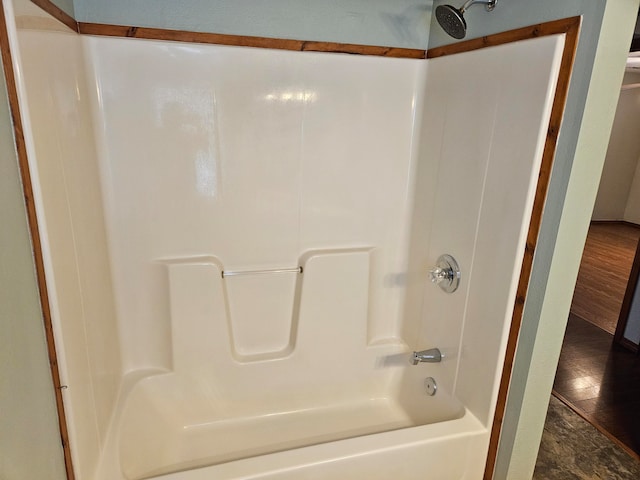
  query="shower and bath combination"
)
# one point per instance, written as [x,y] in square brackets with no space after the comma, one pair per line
[195,334]
[451,19]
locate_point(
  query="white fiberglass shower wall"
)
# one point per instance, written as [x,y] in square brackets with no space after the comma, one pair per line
[332,183]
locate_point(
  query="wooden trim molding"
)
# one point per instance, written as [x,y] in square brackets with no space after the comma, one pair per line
[555,27]
[570,27]
[57,13]
[244,41]
[614,222]
[629,345]
[14,107]
[393,52]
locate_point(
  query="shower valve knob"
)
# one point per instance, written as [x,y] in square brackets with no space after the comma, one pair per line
[438,274]
[446,273]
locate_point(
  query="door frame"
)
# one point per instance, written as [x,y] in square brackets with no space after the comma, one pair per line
[625,310]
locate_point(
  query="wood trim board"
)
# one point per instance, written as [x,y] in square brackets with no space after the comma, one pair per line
[569,26]
[554,27]
[619,222]
[34,231]
[245,41]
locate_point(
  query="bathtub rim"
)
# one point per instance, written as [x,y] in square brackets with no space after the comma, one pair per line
[463,426]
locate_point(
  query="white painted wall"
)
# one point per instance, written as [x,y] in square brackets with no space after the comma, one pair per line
[619,191]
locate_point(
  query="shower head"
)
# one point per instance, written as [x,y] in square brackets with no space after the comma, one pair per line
[451,19]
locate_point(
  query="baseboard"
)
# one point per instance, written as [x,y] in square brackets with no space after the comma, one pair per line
[614,222]
[628,344]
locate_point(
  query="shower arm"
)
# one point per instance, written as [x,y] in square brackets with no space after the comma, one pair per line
[489,5]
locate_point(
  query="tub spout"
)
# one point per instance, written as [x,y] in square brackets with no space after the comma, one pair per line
[432,355]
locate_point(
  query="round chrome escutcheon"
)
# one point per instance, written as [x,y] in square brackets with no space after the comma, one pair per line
[446,273]
[430,386]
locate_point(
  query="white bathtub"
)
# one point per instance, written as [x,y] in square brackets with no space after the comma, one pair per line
[158,166]
[361,436]
[214,409]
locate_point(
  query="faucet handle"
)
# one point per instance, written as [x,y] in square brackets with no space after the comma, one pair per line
[446,273]
[438,274]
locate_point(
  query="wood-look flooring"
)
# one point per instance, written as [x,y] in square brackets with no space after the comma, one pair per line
[598,379]
[604,273]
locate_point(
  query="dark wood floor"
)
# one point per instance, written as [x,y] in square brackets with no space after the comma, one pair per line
[604,272]
[597,378]
[600,381]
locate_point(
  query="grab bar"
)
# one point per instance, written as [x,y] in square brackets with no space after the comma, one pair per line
[235,273]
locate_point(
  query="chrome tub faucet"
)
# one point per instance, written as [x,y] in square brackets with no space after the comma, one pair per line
[433,355]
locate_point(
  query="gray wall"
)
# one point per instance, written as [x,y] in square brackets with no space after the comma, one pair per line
[66,5]
[30,445]
[401,23]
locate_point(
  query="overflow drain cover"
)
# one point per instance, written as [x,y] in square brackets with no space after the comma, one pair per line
[430,386]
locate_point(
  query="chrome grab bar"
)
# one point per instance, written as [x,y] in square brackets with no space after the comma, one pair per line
[235,273]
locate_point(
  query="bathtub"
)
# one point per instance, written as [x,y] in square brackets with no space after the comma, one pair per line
[348,438]
[324,389]
[237,244]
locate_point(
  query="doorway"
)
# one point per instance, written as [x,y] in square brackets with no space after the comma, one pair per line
[597,377]
[598,372]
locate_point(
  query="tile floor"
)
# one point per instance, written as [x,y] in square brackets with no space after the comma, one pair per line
[573,449]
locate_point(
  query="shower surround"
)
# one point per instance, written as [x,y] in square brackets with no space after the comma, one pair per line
[331,183]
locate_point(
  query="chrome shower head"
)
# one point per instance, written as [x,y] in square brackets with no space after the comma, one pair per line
[451,19]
